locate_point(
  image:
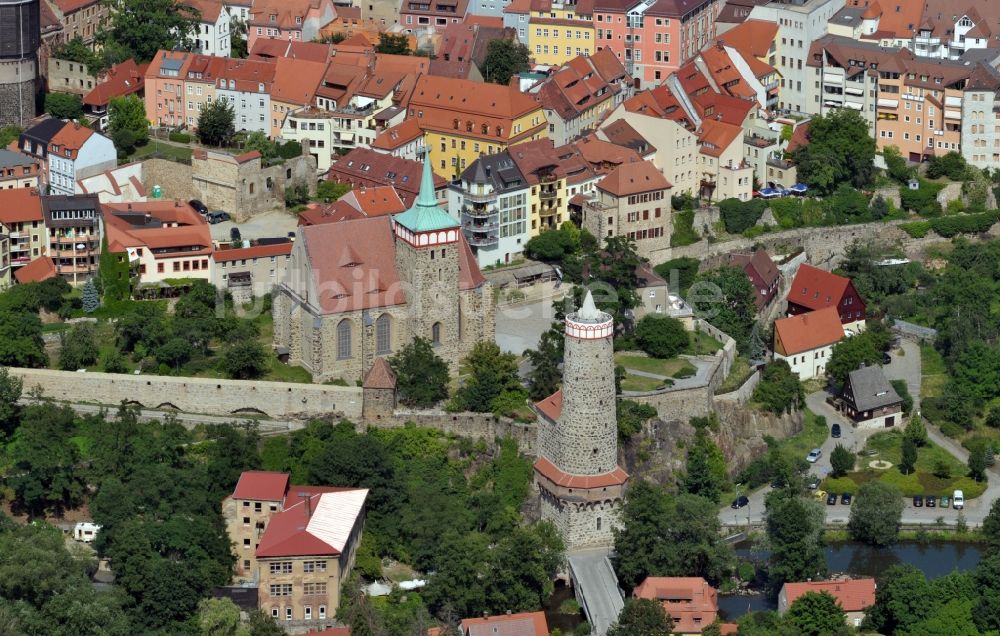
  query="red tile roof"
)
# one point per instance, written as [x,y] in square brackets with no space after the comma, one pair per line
[753,37]
[634,178]
[800,137]
[525,624]
[380,376]
[399,135]
[375,201]
[70,6]
[174,227]
[815,288]
[122,79]
[42,268]
[805,332]
[256,251]
[547,469]
[296,80]
[259,485]
[18,205]
[853,596]
[71,137]
[690,601]
[551,406]
[248,156]
[314,521]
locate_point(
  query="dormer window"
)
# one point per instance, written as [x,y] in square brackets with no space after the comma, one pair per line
[274,18]
[232,85]
[298,19]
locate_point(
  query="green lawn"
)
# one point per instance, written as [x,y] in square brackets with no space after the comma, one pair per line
[639,383]
[702,344]
[669,367]
[814,433]
[738,374]
[934,375]
[920,482]
[166,151]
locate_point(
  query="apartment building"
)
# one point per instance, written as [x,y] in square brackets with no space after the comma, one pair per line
[295,20]
[463,120]
[19,170]
[73,227]
[366,168]
[246,85]
[725,174]
[159,239]
[68,151]
[404,140]
[493,199]
[576,96]
[423,15]
[948,30]
[165,89]
[81,19]
[676,147]
[296,81]
[251,272]
[910,102]
[559,31]
[22,216]
[632,201]
[212,28]
[543,171]
[980,117]
[295,544]
[800,23]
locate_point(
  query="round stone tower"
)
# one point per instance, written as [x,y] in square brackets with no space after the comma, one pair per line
[20,37]
[577,469]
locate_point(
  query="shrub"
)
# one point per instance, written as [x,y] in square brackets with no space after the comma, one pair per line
[739,216]
[684,232]
[660,336]
[179,137]
[917,229]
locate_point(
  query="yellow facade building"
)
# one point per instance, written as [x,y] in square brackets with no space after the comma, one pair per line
[556,36]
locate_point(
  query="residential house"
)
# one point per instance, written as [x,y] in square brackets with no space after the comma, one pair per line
[869,400]
[297,20]
[632,201]
[80,18]
[375,276]
[725,174]
[246,85]
[854,596]
[805,341]
[405,140]
[159,240]
[251,272]
[213,28]
[577,95]
[516,14]
[493,198]
[356,204]
[762,272]
[949,30]
[690,601]
[558,32]
[34,142]
[524,624]
[981,118]
[424,15]
[735,13]
[464,120]
[814,288]
[21,214]
[164,88]
[125,78]
[296,543]
[76,152]
[19,170]
[653,291]
[366,168]
[462,50]
[73,242]
[295,84]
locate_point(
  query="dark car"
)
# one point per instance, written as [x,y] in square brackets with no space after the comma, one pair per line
[918,501]
[846,499]
[831,499]
[886,358]
[931,501]
[740,502]
[835,431]
[199,207]
[218,216]
[234,233]
[813,482]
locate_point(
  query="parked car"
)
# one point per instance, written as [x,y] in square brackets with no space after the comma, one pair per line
[814,455]
[820,495]
[813,482]
[740,502]
[835,431]
[217,217]
[886,358]
[846,499]
[831,499]
[918,501]
[945,501]
[199,207]
[234,233]
[931,501]
[958,500]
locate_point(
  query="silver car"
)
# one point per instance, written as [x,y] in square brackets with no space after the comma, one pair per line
[814,455]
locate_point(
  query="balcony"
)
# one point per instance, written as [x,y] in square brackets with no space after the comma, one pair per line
[75,269]
[482,241]
[480,197]
[481,227]
[479,213]
[547,194]
[73,253]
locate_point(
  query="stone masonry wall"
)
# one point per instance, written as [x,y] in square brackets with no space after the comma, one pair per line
[587,430]
[197,395]
[479,426]
[17,95]
[173,178]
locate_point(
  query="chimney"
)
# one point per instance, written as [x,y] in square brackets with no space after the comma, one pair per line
[308,502]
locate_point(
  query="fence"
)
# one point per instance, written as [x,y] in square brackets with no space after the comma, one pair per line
[913,331]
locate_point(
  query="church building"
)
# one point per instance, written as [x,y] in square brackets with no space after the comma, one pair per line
[362,289]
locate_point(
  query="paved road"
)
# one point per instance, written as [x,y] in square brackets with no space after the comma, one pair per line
[596,582]
[275,223]
[905,367]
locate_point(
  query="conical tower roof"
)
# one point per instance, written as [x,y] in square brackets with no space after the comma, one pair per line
[426,215]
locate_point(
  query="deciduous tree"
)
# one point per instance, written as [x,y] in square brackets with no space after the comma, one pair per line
[216,123]
[505,57]
[45,473]
[246,360]
[642,617]
[841,460]
[779,390]
[140,28]
[725,298]
[128,113]
[816,614]
[661,336]
[63,105]
[840,150]
[876,514]
[421,375]
[794,532]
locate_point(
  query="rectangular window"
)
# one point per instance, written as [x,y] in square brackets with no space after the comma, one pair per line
[314,566]
[281,567]
[280,589]
[314,588]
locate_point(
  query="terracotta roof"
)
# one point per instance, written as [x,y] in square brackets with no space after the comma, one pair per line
[494,22]
[380,376]
[551,406]
[753,37]
[580,85]
[376,201]
[716,137]
[442,100]
[70,6]
[399,135]
[469,274]
[807,331]
[208,10]
[121,79]
[800,137]
[363,165]
[331,631]
[259,485]
[335,212]
[518,6]
[315,524]
[42,268]
[171,226]
[853,596]
[815,288]
[633,178]
[621,133]
[677,8]
[690,601]
[525,624]
[71,137]
[18,205]
[296,80]
[256,251]
[548,470]
[760,262]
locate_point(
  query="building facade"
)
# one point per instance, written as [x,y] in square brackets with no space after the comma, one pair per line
[251,272]
[73,224]
[632,201]
[806,341]
[577,473]
[18,170]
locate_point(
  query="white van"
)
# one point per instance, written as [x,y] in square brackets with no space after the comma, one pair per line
[958,500]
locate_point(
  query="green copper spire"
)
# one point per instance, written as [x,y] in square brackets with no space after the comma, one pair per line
[425,215]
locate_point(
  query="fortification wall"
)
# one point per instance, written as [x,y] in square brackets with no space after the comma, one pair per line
[173,178]
[479,426]
[197,395]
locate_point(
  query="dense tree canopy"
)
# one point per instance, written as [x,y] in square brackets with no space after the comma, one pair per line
[876,514]
[493,384]
[642,617]
[128,113]
[725,298]
[816,614]
[661,336]
[850,353]
[63,105]
[139,28]
[779,390]
[421,375]
[840,150]
[505,57]
[216,123]
[795,536]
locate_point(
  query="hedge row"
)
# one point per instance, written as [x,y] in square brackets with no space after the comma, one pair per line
[953,225]
[179,137]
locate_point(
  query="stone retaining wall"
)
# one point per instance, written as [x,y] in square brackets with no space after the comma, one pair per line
[174,178]
[479,426]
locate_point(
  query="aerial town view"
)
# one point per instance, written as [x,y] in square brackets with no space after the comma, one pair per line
[499,317]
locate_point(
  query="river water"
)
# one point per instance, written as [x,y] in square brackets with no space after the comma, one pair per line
[933,559]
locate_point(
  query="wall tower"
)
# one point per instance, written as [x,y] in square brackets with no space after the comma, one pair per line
[20,37]
[577,472]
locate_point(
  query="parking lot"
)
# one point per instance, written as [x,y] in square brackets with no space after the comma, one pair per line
[265,225]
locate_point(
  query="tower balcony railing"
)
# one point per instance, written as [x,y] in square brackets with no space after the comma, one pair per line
[480,197]
[479,213]
[482,241]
